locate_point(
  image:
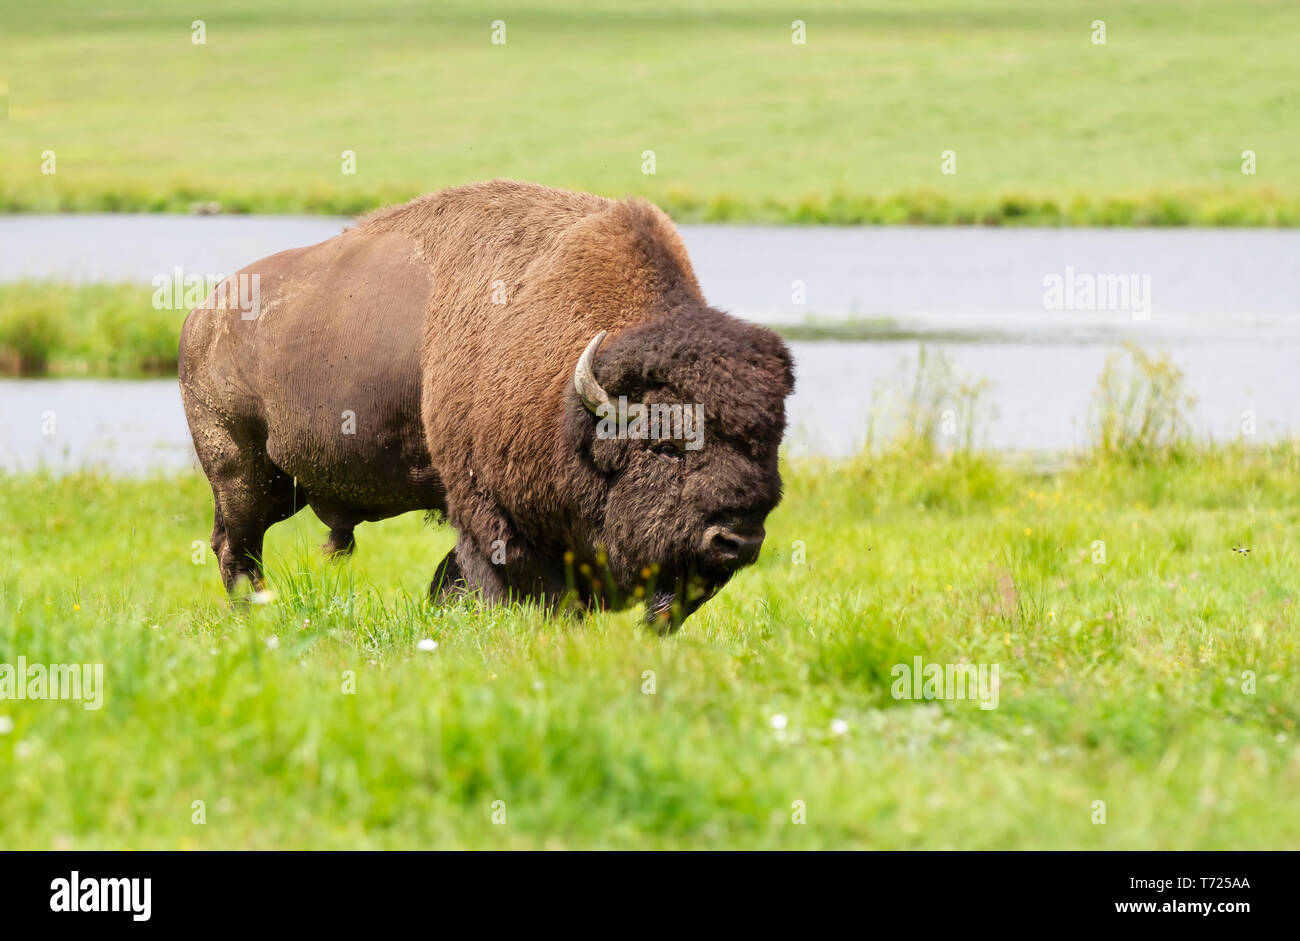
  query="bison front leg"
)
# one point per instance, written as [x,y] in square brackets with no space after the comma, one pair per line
[498,577]
[448,581]
[466,571]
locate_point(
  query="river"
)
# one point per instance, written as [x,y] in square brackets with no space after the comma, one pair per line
[1008,306]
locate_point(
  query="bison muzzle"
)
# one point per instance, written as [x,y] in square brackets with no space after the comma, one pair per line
[539,367]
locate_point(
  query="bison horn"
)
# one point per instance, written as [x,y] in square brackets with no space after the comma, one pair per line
[584,378]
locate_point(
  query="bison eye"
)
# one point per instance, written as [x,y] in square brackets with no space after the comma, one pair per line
[668,448]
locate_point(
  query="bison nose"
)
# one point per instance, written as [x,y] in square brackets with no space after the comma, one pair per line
[732,548]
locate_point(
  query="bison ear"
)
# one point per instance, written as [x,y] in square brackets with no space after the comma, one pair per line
[593,438]
[592,400]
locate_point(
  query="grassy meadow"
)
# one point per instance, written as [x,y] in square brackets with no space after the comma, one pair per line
[1046,125]
[1123,675]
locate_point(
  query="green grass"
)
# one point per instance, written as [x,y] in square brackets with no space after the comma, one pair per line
[1047,127]
[1120,682]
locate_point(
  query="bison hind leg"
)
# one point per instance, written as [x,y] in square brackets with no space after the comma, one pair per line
[250,494]
[218,541]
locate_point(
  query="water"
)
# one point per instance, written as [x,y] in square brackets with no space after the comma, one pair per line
[1040,392]
[1224,303]
[126,426]
[930,276]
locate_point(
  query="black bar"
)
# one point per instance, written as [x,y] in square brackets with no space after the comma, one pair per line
[331,891]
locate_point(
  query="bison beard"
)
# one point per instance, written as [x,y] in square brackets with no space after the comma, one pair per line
[451,355]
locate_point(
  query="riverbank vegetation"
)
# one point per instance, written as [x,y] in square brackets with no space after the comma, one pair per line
[124,330]
[49,328]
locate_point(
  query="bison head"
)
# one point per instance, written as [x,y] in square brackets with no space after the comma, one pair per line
[678,422]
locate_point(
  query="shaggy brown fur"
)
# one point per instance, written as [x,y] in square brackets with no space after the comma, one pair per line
[465,404]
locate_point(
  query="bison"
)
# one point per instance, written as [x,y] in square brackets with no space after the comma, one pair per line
[476,353]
